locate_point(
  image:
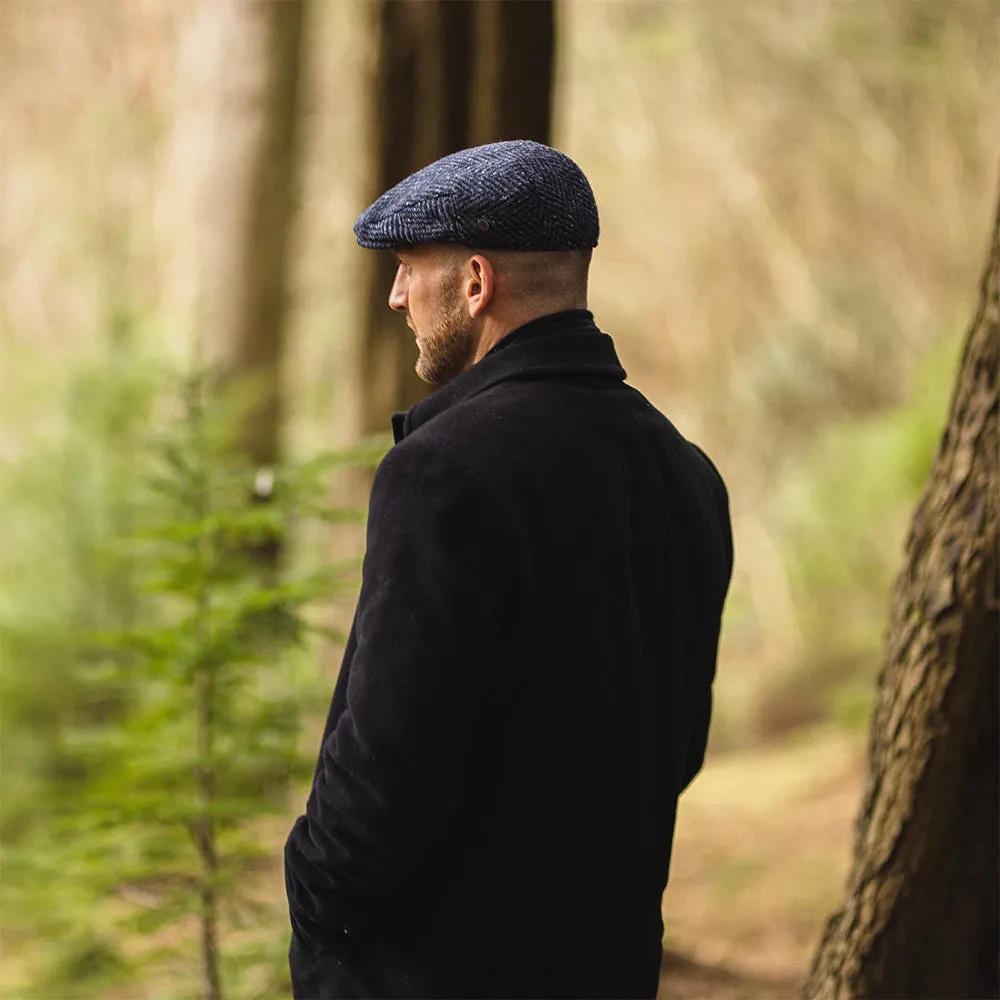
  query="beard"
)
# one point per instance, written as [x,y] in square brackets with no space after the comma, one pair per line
[446,347]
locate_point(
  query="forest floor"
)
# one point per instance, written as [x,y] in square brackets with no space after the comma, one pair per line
[760,858]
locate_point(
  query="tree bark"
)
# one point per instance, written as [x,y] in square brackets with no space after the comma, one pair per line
[236,153]
[920,918]
[232,173]
[447,75]
[256,174]
[514,44]
[417,115]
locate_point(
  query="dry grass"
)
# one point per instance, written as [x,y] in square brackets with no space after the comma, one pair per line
[795,202]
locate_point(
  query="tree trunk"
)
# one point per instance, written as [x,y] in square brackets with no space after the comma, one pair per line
[255,177]
[920,917]
[447,75]
[227,200]
[204,829]
[418,114]
[514,45]
[236,150]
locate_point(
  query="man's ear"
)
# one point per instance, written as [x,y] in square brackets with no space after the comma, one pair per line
[480,284]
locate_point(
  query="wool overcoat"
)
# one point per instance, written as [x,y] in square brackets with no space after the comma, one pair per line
[525,692]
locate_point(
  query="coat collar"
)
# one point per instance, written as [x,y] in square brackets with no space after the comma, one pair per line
[565,343]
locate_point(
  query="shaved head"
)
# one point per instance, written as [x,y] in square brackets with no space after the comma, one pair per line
[542,276]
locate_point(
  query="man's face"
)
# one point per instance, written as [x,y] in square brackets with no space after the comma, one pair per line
[428,288]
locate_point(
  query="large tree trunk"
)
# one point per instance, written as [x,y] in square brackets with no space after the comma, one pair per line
[418,114]
[228,213]
[920,917]
[447,75]
[230,190]
[514,41]
[255,177]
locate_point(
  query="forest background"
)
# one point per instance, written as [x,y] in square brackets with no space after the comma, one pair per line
[795,202]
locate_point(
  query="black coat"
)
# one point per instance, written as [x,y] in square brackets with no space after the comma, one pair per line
[525,691]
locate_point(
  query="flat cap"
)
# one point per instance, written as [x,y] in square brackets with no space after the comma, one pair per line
[517,195]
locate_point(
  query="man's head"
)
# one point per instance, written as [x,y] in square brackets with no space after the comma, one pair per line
[486,239]
[459,301]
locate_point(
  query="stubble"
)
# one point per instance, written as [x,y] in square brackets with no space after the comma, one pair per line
[446,347]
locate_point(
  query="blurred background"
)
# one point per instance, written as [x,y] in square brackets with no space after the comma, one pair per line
[795,202]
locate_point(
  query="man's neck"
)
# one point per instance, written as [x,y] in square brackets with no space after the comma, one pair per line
[495,328]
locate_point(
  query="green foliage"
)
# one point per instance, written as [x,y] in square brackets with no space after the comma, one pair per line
[846,512]
[156,667]
[85,962]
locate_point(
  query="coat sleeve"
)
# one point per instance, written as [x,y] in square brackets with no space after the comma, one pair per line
[718,517]
[427,633]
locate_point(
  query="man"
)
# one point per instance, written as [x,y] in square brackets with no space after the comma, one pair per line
[526,688]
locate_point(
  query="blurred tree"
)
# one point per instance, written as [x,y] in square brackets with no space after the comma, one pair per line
[446,75]
[921,914]
[252,182]
[154,682]
[512,72]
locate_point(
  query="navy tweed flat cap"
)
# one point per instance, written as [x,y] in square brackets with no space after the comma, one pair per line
[517,195]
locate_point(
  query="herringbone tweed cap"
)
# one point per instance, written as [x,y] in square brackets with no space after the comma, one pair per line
[517,195]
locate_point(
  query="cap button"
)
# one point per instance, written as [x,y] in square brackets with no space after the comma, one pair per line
[483,225]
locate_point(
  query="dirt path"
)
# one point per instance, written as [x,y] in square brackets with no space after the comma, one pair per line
[684,979]
[760,856]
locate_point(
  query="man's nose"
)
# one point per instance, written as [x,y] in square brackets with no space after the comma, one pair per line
[397,296]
